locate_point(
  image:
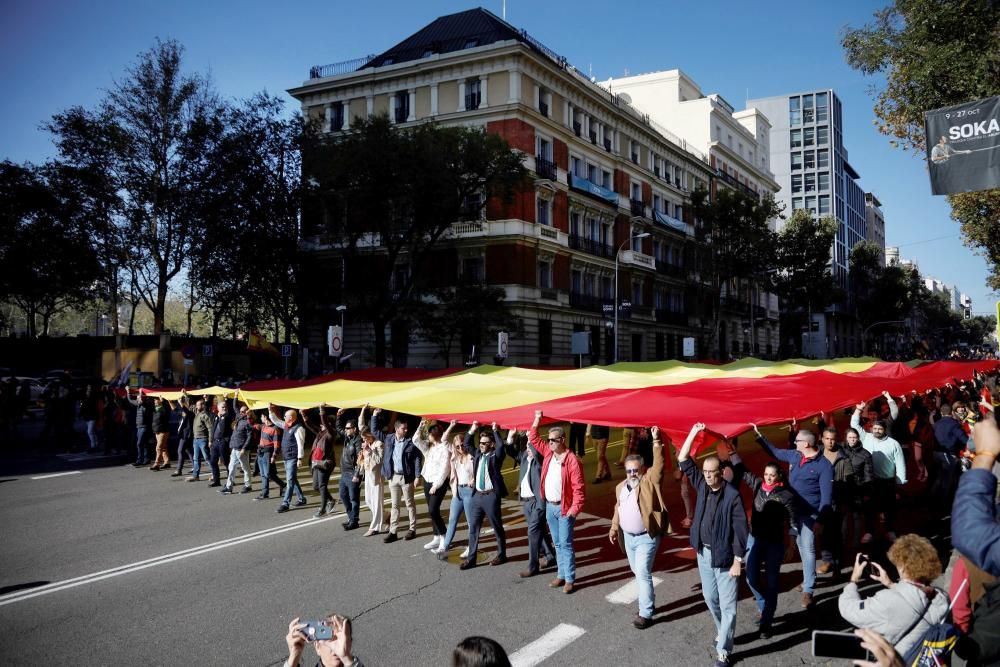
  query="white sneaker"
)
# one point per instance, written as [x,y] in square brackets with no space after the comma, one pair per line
[433,543]
[866,538]
[439,550]
[465,554]
[891,536]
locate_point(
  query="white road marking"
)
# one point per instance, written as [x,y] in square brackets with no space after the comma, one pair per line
[57,586]
[547,645]
[628,593]
[57,474]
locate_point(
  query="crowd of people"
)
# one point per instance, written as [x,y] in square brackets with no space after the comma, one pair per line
[833,491]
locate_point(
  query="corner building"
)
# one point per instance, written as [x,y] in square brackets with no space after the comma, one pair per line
[603,173]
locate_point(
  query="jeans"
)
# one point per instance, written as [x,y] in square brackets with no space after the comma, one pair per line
[200,454]
[350,496]
[183,449]
[321,478]
[141,454]
[641,552]
[561,528]
[434,501]
[460,503]
[240,457]
[92,434]
[719,588]
[292,482]
[538,532]
[217,454]
[806,542]
[943,490]
[268,472]
[770,555]
[486,505]
[398,486]
[832,542]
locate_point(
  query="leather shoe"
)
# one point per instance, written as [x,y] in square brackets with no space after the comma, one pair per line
[282,509]
[176,474]
[556,583]
[807,600]
[528,573]
[568,588]
[467,564]
[641,622]
[350,526]
[216,484]
[390,538]
[499,560]
[300,503]
[410,534]
[822,567]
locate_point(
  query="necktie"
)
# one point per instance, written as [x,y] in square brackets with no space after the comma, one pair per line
[481,484]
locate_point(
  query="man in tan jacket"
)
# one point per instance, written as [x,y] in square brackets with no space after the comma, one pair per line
[640,521]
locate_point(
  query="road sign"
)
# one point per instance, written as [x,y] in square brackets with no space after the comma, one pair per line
[207,350]
[688,347]
[286,350]
[335,341]
[189,362]
[502,340]
[188,351]
[580,343]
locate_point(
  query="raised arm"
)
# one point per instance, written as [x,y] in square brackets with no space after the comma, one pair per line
[446,436]
[856,417]
[373,426]
[685,451]
[420,437]
[893,408]
[501,452]
[786,455]
[656,472]
[534,440]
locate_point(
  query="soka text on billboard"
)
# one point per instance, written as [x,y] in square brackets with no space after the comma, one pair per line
[963,147]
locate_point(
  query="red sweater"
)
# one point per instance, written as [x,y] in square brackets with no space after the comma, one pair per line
[573,494]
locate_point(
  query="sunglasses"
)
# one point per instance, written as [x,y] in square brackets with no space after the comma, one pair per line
[555,439]
[485,442]
[631,471]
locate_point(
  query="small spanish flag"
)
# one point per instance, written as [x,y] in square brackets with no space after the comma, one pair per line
[258,343]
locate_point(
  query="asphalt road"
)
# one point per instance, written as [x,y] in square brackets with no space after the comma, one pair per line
[116,565]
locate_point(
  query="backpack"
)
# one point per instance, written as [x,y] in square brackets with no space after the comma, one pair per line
[935,646]
[985,630]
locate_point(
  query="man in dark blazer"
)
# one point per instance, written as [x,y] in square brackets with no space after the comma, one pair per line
[488,488]
[529,491]
[401,465]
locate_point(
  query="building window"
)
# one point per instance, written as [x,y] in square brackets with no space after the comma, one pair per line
[822,135]
[796,161]
[545,337]
[606,179]
[810,159]
[807,109]
[635,151]
[575,224]
[544,149]
[544,216]
[811,205]
[810,182]
[606,288]
[796,139]
[473,270]
[545,275]
[823,158]
[402,106]
[794,111]
[796,183]
[592,173]
[336,117]
[544,100]
[588,284]
[576,281]
[808,136]
[473,93]
[824,204]
[824,180]
[796,203]
[822,107]
[636,294]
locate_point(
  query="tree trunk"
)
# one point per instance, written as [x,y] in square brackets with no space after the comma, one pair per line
[114,301]
[161,307]
[131,317]
[190,308]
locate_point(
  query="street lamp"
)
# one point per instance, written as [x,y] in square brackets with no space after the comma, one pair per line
[618,252]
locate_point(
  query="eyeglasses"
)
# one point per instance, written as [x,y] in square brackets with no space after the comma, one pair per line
[555,439]
[631,471]
[710,472]
[484,442]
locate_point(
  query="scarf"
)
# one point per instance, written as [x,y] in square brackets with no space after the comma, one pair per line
[289,423]
[768,488]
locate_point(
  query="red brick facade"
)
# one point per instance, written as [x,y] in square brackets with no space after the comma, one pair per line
[519,134]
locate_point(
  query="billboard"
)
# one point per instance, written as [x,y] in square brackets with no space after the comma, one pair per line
[963,147]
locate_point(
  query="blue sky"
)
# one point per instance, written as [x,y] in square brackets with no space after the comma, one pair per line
[57,54]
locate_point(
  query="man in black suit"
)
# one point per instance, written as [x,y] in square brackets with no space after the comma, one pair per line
[534,508]
[488,489]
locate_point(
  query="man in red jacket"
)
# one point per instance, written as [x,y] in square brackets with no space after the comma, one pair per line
[563,491]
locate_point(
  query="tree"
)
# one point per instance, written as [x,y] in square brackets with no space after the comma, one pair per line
[152,133]
[803,280]
[386,196]
[49,262]
[464,313]
[738,242]
[935,53]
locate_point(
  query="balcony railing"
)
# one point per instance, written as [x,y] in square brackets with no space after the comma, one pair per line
[668,269]
[591,246]
[591,188]
[607,145]
[586,302]
[472,101]
[323,71]
[639,259]
[677,318]
[402,113]
[545,168]
[593,137]
[637,207]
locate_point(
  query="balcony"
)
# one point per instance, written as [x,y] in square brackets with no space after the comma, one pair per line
[637,207]
[591,246]
[401,114]
[673,223]
[543,109]
[593,137]
[545,168]
[638,259]
[676,318]
[668,269]
[470,228]
[577,129]
[607,145]
[587,302]
[472,101]
[635,158]
[656,171]
[593,189]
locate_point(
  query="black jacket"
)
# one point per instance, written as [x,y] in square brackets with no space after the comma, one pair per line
[352,447]
[771,511]
[729,532]
[495,462]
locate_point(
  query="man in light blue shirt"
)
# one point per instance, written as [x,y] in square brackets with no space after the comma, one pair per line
[890,469]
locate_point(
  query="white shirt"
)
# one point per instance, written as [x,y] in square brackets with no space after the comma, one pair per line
[525,486]
[484,467]
[463,471]
[553,479]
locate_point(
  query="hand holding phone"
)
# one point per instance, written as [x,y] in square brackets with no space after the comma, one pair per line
[317,631]
[846,645]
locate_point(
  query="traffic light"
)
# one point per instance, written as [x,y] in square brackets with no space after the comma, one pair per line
[968,313]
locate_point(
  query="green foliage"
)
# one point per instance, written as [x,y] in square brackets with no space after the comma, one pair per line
[466,313]
[935,53]
[388,195]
